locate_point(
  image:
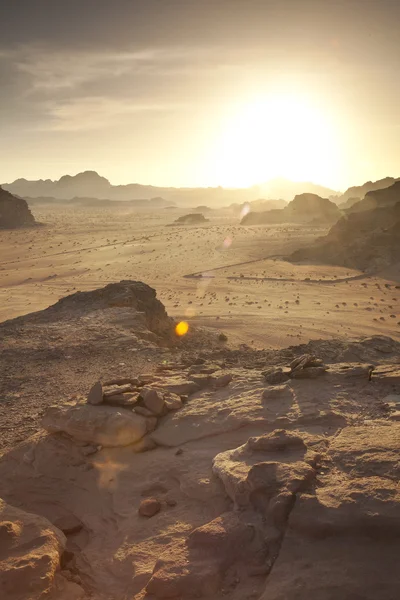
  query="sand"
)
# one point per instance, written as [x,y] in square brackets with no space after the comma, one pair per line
[216,275]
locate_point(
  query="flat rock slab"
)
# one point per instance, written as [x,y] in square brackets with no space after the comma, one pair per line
[102,425]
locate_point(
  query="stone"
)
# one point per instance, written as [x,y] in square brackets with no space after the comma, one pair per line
[276,375]
[202,381]
[308,373]
[151,424]
[143,411]
[182,387]
[144,445]
[68,524]
[117,389]
[14,212]
[30,554]
[173,402]
[133,381]
[223,380]
[153,400]
[127,399]
[95,395]
[149,507]
[277,392]
[103,425]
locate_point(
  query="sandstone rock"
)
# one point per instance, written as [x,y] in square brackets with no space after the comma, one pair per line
[308,373]
[223,380]
[115,390]
[103,425]
[143,411]
[304,361]
[151,424]
[256,472]
[153,400]
[202,381]
[144,445]
[276,375]
[68,524]
[182,387]
[133,381]
[173,402]
[95,395]
[278,392]
[30,550]
[127,399]
[149,507]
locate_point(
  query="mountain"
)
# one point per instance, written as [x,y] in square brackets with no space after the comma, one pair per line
[91,184]
[378,199]
[361,190]
[14,212]
[367,240]
[286,189]
[304,208]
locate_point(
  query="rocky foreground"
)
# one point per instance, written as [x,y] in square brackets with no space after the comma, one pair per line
[219,474]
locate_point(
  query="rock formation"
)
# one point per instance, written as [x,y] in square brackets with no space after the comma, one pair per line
[304,208]
[260,484]
[388,196]
[191,219]
[14,212]
[363,240]
[359,191]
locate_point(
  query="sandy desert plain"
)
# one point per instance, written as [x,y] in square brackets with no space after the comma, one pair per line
[220,274]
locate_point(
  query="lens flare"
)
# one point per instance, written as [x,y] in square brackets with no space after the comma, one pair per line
[245,210]
[227,242]
[182,328]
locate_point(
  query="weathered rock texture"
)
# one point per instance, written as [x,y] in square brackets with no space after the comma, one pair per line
[365,240]
[30,550]
[14,212]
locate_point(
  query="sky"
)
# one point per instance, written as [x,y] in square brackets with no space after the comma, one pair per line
[200,92]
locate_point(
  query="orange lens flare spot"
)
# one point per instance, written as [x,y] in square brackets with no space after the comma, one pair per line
[182,328]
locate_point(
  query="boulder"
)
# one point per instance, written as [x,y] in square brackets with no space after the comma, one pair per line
[149,507]
[95,395]
[276,375]
[153,400]
[30,551]
[103,425]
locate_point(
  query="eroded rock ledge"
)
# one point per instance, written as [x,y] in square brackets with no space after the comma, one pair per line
[207,480]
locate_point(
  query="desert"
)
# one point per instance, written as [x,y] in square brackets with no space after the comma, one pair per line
[199,300]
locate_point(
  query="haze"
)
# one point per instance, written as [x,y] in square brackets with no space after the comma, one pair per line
[187,93]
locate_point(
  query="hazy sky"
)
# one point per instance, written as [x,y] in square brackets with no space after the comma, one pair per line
[200,92]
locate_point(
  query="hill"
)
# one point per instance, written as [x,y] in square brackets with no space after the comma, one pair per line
[378,199]
[304,208]
[14,212]
[91,184]
[359,191]
[367,240]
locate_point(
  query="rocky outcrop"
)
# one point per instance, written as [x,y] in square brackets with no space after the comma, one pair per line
[367,240]
[359,191]
[134,295]
[191,219]
[305,208]
[102,425]
[30,552]
[377,199]
[14,212]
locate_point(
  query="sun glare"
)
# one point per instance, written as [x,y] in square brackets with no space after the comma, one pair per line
[279,135]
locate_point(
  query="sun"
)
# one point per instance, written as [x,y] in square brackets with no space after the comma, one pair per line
[277,135]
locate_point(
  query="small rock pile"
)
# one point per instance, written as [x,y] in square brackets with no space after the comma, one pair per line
[306,366]
[123,411]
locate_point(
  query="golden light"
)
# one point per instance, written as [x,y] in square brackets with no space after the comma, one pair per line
[285,134]
[182,328]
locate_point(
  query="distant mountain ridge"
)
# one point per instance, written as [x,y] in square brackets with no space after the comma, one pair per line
[90,184]
[360,191]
